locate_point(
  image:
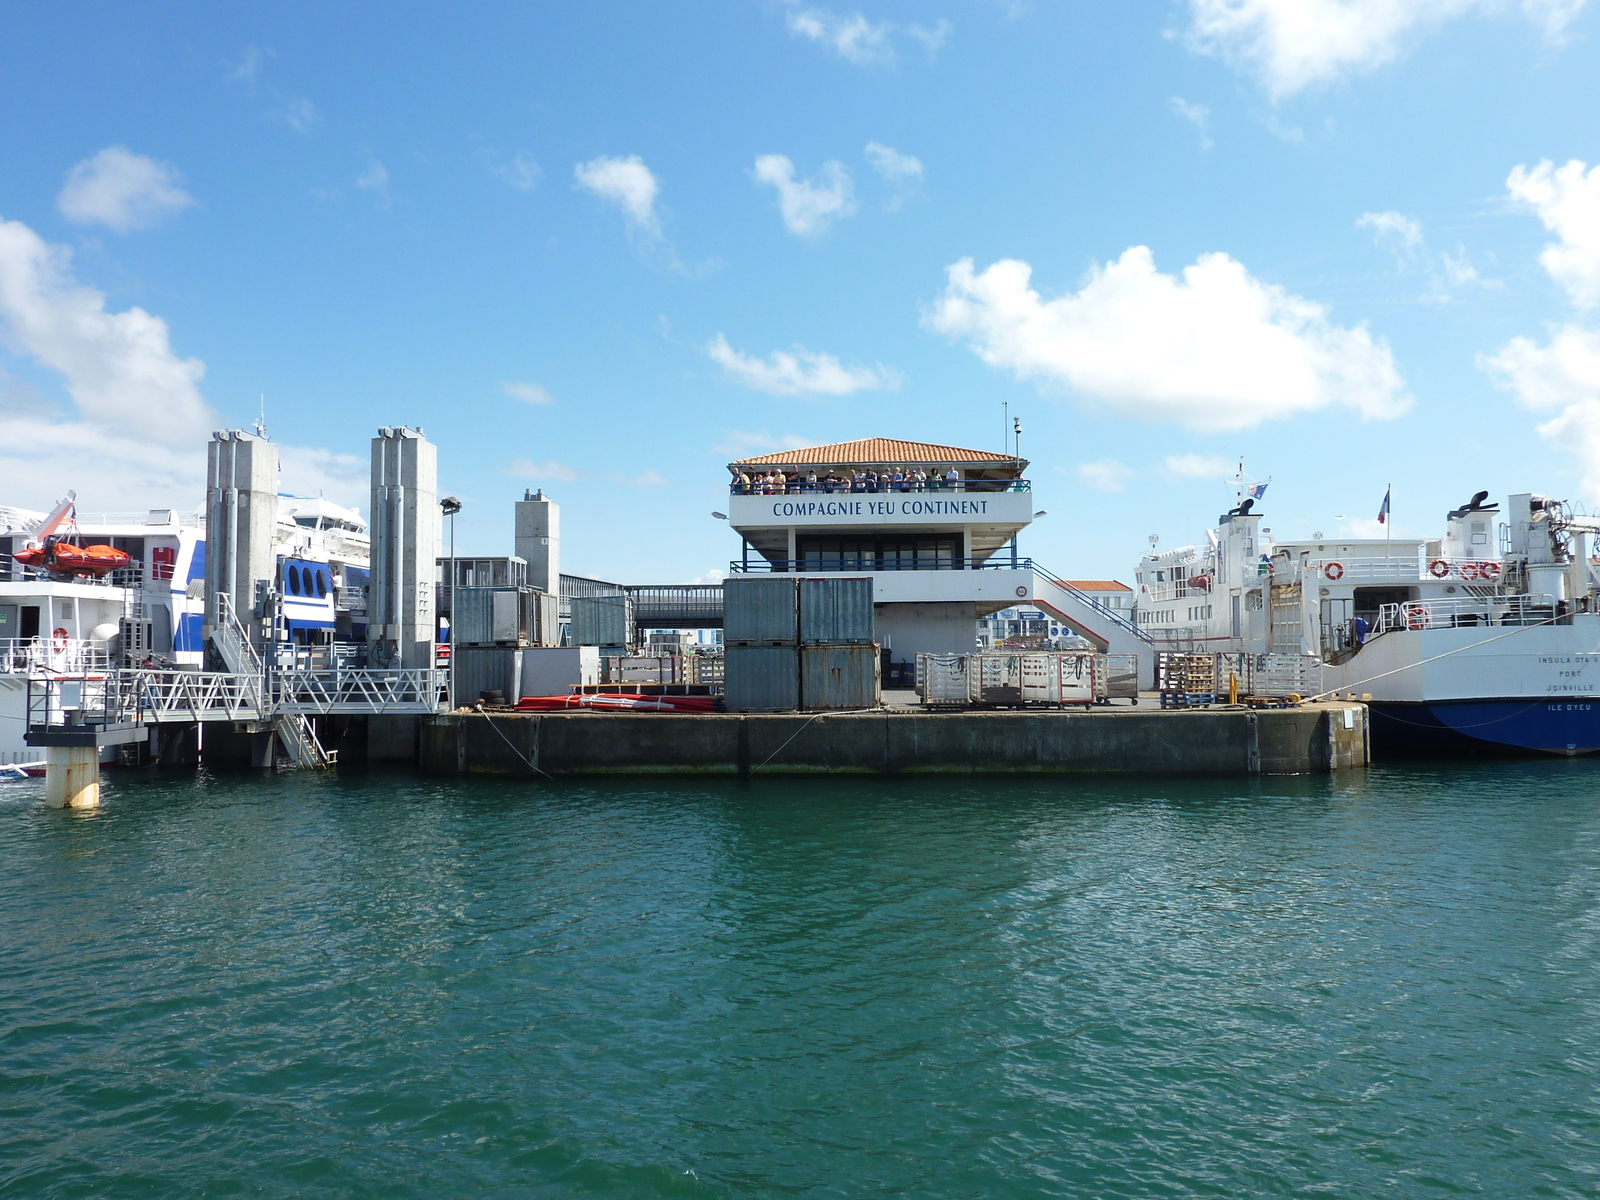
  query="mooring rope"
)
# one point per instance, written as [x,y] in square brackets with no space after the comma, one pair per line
[842,713]
[509,742]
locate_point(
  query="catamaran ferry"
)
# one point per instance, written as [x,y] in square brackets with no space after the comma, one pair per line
[1486,638]
[81,593]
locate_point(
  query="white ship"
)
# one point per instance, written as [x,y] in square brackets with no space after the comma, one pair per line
[1485,638]
[66,612]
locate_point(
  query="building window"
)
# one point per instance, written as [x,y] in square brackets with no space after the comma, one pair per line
[878,553]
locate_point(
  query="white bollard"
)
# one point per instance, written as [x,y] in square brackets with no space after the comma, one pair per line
[72,776]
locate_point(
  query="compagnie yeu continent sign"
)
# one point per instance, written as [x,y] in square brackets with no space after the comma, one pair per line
[880,508]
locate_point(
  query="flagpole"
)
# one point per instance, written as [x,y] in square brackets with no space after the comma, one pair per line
[1388,525]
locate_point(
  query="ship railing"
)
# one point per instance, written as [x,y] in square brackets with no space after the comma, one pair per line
[358,691]
[1405,569]
[1463,612]
[801,488]
[47,656]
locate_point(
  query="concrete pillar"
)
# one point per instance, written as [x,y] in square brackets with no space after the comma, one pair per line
[538,540]
[72,776]
[405,548]
[241,519]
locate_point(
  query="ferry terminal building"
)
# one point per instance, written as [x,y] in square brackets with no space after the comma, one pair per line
[941,553]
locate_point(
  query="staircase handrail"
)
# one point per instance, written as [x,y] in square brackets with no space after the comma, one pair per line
[232,641]
[1104,610]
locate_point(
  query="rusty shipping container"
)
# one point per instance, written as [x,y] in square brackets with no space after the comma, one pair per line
[836,612]
[761,679]
[839,677]
[760,610]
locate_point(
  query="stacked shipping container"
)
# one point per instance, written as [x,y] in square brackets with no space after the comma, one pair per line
[489,630]
[798,644]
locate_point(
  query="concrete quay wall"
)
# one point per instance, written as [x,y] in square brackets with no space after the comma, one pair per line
[1312,739]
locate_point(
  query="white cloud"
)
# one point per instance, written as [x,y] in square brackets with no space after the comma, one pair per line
[1292,44]
[933,37]
[138,436]
[1198,466]
[643,480]
[1567,201]
[297,112]
[1197,115]
[1562,377]
[1212,349]
[119,368]
[891,164]
[1392,229]
[808,208]
[345,479]
[528,393]
[711,576]
[739,443]
[527,468]
[375,179]
[521,171]
[800,373]
[853,38]
[626,183]
[250,63]
[122,190]
[1107,475]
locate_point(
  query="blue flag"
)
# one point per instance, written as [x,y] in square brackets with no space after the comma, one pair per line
[1258,491]
[1383,510]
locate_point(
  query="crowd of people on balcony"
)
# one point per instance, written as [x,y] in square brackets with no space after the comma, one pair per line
[863,479]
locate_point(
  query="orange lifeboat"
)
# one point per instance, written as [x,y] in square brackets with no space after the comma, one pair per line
[66,559]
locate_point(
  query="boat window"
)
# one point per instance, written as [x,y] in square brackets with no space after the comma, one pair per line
[292,577]
[305,580]
[322,585]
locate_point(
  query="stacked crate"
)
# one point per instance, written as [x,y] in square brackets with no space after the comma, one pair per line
[490,627]
[1186,680]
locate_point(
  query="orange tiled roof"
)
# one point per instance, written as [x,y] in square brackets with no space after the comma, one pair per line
[1099,585]
[868,451]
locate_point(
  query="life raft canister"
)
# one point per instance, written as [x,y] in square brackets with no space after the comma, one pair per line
[1333,570]
[1438,568]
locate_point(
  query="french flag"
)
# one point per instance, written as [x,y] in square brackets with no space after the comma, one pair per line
[1383,509]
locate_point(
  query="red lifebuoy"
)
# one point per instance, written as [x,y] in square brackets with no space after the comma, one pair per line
[1333,570]
[1417,617]
[1022,591]
[1469,572]
[1438,568]
[1490,570]
[60,639]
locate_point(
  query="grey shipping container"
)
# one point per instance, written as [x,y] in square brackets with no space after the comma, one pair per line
[475,670]
[836,612]
[494,616]
[602,621]
[760,679]
[839,677]
[548,630]
[760,610]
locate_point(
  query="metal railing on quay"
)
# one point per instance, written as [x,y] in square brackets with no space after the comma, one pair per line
[847,487]
[357,692]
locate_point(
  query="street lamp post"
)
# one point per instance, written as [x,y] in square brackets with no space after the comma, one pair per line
[450,506]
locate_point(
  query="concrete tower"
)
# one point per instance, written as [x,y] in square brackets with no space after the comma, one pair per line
[241,518]
[538,540]
[405,545]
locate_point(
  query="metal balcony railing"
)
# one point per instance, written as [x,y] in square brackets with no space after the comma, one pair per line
[795,487]
[1463,612]
[848,565]
[46,656]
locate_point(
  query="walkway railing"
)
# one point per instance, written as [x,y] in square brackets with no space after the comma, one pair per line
[356,692]
[71,656]
[1100,608]
[998,562]
[1463,612]
[794,487]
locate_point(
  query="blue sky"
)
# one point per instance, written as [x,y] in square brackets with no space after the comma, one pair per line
[601,249]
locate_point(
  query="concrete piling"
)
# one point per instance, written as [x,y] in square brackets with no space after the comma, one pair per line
[72,776]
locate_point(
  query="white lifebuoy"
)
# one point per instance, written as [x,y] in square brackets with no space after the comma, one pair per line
[60,639]
[1438,568]
[1022,591]
[1417,617]
[1334,571]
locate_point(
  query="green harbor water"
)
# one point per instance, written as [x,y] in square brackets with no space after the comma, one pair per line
[1380,984]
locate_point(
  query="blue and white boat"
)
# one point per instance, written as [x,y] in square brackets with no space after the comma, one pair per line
[1486,639]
